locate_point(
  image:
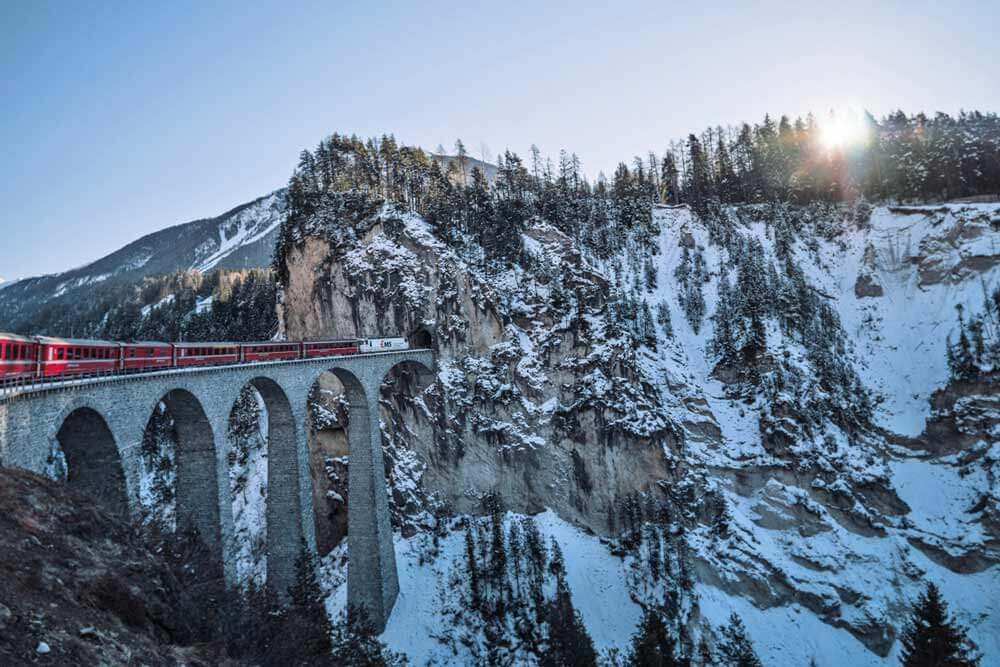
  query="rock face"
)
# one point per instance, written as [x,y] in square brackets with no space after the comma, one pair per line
[867,283]
[504,413]
[782,466]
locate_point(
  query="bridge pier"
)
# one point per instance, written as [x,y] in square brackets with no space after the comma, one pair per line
[372,581]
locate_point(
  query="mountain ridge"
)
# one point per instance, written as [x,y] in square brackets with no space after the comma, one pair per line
[242,237]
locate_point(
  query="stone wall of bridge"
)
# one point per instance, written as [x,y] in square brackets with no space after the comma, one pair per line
[99,426]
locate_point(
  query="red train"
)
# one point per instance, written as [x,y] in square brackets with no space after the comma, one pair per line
[41,357]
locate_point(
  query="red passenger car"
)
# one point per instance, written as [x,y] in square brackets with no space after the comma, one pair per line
[330,348]
[18,356]
[147,355]
[70,356]
[270,351]
[205,354]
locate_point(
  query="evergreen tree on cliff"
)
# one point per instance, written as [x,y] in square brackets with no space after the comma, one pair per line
[356,644]
[736,649]
[933,638]
[569,643]
[307,625]
[651,646]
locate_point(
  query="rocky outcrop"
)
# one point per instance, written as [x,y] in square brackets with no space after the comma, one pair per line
[965,415]
[964,249]
[526,403]
[867,284]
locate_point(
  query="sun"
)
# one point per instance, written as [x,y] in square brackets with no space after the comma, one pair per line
[842,130]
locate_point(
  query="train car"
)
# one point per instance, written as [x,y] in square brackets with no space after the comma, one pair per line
[205,354]
[270,351]
[18,356]
[146,355]
[383,344]
[329,348]
[72,356]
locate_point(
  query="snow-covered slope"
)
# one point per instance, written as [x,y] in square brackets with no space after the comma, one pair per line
[893,280]
[912,267]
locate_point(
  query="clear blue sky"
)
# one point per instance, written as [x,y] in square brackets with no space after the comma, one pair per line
[120,119]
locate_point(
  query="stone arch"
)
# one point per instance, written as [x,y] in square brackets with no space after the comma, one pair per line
[93,463]
[371,572]
[197,486]
[283,514]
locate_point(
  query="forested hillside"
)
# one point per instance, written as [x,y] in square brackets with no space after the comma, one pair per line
[186,306]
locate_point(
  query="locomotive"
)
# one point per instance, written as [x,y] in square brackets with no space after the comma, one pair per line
[42,357]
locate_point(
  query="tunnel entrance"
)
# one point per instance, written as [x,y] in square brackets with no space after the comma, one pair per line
[420,339]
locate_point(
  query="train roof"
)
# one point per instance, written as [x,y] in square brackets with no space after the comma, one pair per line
[10,336]
[209,343]
[49,340]
[146,343]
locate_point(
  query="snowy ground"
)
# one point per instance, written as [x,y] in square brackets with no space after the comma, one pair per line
[596,578]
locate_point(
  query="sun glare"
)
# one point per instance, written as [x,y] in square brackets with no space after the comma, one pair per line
[842,130]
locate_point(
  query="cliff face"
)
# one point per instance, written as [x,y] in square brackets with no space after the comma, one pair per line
[760,378]
[524,403]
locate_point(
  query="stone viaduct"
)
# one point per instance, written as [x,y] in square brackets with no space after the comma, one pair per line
[99,425]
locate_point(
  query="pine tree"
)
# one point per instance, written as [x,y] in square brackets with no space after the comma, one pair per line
[736,648]
[933,638]
[705,657]
[961,359]
[498,562]
[663,319]
[472,568]
[651,645]
[306,624]
[569,643]
[356,644]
